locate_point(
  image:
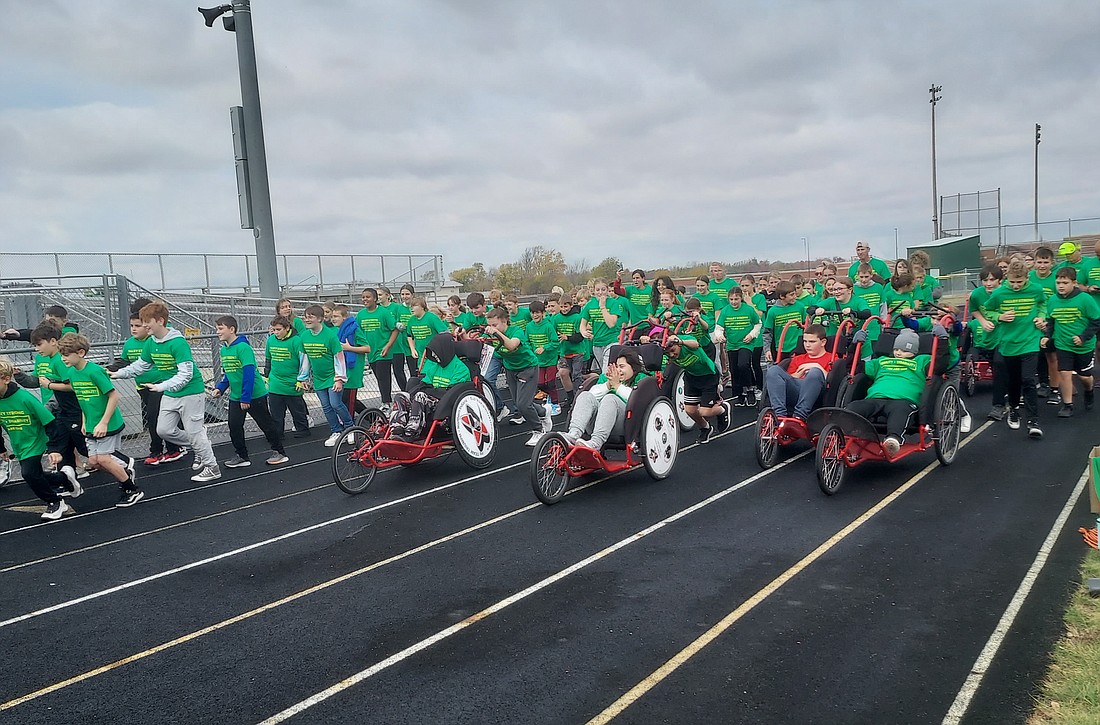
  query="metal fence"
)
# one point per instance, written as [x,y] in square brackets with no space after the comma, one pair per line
[317,276]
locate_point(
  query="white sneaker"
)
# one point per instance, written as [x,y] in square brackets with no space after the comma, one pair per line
[504,412]
[208,473]
[534,439]
[56,510]
[332,440]
[196,466]
[70,473]
[587,444]
[965,424]
[547,419]
[555,409]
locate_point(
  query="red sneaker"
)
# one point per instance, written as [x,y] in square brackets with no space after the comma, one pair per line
[154,460]
[169,457]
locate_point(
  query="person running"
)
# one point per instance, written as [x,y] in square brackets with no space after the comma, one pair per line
[247,395]
[347,330]
[285,366]
[1073,319]
[544,340]
[183,408]
[636,298]
[521,370]
[701,398]
[573,354]
[738,329]
[400,315]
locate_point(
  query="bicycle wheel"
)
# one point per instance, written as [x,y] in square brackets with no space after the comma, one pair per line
[352,468]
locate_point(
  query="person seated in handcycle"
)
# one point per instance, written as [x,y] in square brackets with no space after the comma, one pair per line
[797,388]
[602,408]
[898,381]
[441,369]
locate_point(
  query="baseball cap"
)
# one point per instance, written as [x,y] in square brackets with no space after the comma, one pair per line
[1068,248]
[907,341]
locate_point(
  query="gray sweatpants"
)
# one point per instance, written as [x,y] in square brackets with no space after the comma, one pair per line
[603,417]
[182,421]
[523,385]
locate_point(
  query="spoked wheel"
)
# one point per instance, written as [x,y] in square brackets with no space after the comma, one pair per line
[660,442]
[686,422]
[352,469]
[549,477]
[374,421]
[829,460]
[969,373]
[948,421]
[767,443]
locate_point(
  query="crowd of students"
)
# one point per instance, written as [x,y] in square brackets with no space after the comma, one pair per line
[1034,317]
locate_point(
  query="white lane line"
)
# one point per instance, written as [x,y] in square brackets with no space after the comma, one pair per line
[250,547]
[985,658]
[518,596]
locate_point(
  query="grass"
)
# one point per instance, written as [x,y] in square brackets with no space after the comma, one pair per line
[1070,693]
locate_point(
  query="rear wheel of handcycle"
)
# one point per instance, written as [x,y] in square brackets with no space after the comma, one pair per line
[829,460]
[549,477]
[352,469]
[685,420]
[969,375]
[660,439]
[946,416]
[374,421]
[474,429]
[767,443]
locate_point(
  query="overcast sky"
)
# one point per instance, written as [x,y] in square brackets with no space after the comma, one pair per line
[658,132]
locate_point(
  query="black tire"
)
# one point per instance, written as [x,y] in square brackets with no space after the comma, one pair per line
[474,429]
[677,396]
[659,443]
[767,446]
[374,421]
[968,378]
[947,419]
[828,461]
[549,479]
[352,474]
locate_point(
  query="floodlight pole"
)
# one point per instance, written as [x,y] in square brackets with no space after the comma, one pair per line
[934,90]
[1038,128]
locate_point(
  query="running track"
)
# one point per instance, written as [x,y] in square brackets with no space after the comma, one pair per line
[448,595]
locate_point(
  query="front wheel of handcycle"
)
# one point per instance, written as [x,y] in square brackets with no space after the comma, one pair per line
[352,468]
[660,440]
[829,459]
[947,415]
[374,421]
[549,477]
[474,429]
[767,440]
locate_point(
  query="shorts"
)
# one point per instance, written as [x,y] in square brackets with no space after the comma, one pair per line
[104,446]
[1079,362]
[701,390]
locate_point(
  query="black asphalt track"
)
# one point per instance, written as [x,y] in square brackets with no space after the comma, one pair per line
[884,627]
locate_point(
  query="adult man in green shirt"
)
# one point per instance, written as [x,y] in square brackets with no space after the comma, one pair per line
[879,269]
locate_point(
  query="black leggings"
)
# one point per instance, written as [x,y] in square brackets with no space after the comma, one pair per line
[740,367]
[398,363]
[1019,373]
[383,370]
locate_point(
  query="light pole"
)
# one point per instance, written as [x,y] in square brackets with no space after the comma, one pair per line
[1038,128]
[256,206]
[895,244]
[934,90]
[806,243]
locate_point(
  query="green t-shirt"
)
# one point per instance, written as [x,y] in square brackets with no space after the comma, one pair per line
[375,328]
[543,335]
[237,356]
[1071,315]
[25,419]
[1019,336]
[298,324]
[977,300]
[777,317]
[738,322]
[695,362]
[521,318]
[897,301]
[284,356]
[523,356]
[722,289]
[1047,283]
[878,267]
[439,376]
[636,303]
[1078,267]
[898,378]
[131,352]
[468,320]
[978,335]
[401,315]
[91,386]
[710,304]
[603,334]
[423,329]
[568,325]
[1088,274]
[53,369]
[322,348]
[166,357]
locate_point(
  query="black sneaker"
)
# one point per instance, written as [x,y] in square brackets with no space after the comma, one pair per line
[303,433]
[739,401]
[1055,398]
[750,398]
[1066,411]
[1033,430]
[1090,396]
[56,510]
[1013,419]
[1042,390]
[130,470]
[997,412]
[724,417]
[704,434]
[129,497]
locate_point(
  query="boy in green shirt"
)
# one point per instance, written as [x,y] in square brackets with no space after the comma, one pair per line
[247,395]
[1073,319]
[103,422]
[900,299]
[701,397]
[573,350]
[400,314]
[1043,275]
[183,408]
[287,371]
[33,431]
[519,316]
[786,309]
[326,366]
[51,377]
[543,338]
[521,369]
[474,317]
[422,327]
[160,450]
[635,299]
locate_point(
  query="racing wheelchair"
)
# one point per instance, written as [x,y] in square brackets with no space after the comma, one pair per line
[846,439]
[651,436]
[463,421]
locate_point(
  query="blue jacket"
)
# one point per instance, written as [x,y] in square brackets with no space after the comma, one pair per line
[346,333]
